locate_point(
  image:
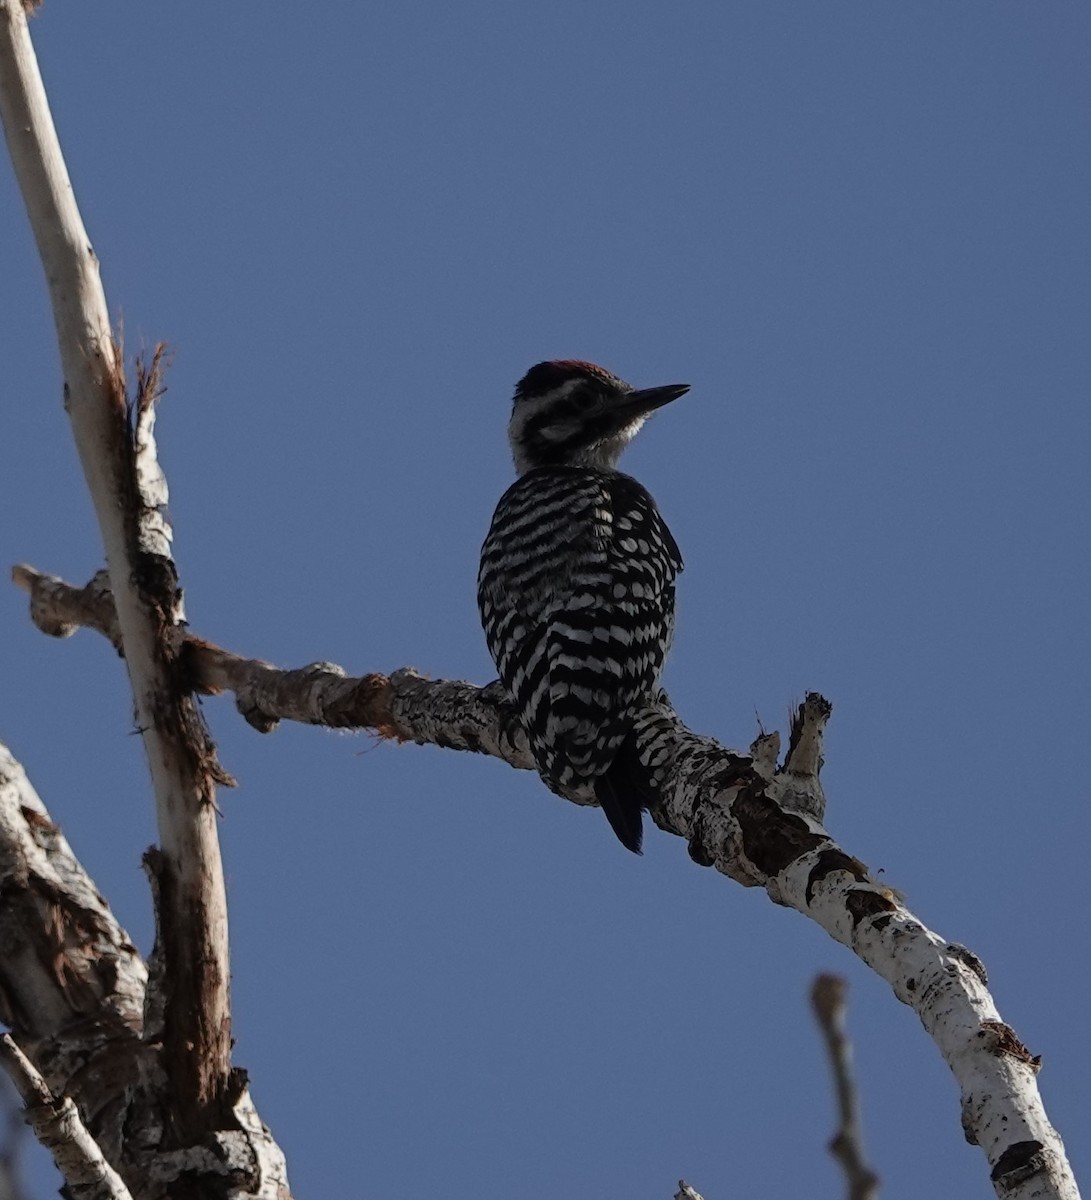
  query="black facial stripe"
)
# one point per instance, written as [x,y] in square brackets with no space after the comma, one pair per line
[573,405]
[586,432]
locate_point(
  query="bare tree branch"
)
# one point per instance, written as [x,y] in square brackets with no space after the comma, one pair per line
[117,452]
[847,1145]
[59,1128]
[753,822]
[318,694]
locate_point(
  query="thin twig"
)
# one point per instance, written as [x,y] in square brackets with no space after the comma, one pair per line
[58,1126]
[828,1002]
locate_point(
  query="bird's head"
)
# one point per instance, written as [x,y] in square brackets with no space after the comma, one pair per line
[570,413]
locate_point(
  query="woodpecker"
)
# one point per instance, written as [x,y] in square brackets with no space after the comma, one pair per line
[576,586]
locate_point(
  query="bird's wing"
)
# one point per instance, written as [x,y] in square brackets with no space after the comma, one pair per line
[584,642]
[608,634]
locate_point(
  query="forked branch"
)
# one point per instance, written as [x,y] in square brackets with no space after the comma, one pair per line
[117,451]
[198,1123]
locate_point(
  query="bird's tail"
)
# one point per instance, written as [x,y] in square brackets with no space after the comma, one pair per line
[623,791]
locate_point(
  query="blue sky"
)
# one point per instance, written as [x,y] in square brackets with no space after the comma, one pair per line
[860,232]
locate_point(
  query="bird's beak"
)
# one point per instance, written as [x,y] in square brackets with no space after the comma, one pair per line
[640,403]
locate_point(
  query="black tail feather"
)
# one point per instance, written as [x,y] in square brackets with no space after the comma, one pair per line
[623,792]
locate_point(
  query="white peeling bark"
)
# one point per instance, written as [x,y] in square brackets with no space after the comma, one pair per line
[58,1126]
[71,982]
[73,991]
[753,820]
[127,490]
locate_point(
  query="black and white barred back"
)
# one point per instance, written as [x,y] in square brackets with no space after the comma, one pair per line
[576,591]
